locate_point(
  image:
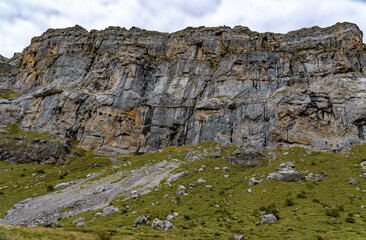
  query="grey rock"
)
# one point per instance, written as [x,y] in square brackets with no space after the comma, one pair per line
[181,187]
[177,176]
[287,165]
[249,190]
[180,193]
[78,220]
[201,180]
[269,218]
[239,237]
[226,169]
[162,226]
[253,182]
[191,185]
[81,224]
[286,176]
[353,181]
[141,220]
[166,196]
[110,210]
[170,217]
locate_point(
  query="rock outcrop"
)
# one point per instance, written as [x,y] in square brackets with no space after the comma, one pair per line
[137,91]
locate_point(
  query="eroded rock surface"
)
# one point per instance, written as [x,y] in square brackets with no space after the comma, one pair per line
[85,196]
[136,90]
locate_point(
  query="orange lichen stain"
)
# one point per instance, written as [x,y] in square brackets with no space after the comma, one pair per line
[203,115]
[53,49]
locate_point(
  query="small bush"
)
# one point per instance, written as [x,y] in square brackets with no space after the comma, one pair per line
[332,212]
[187,217]
[50,188]
[301,195]
[316,200]
[350,220]
[1,193]
[41,171]
[271,209]
[217,234]
[289,202]
[22,175]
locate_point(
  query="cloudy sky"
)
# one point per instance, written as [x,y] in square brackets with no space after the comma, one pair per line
[20,20]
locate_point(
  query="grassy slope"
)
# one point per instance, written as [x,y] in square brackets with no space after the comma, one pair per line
[199,217]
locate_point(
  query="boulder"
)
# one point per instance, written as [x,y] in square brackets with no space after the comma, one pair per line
[286,176]
[239,237]
[269,218]
[141,220]
[110,210]
[253,181]
[162,226]
[353,181]
[78,220]
[201,180]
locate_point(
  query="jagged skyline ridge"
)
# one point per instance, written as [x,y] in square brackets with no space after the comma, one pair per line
[21,20]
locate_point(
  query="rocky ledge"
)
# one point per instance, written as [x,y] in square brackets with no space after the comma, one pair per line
[136,91]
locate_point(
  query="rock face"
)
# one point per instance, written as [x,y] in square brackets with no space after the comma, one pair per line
[137,91]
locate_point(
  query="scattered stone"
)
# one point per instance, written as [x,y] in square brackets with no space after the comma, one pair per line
[253,182]
[166,196]
[181,193]
[351,196]
[287,175]
[239,237]
[226,169]
[201,180]
[181,187]
[177,176]
[98,214]
[269,218]
[353,182]
[191,185]
[65,184]
[170,217]
[249,190]
[363,206]
[215,155]
[53,224]
[78,220]
[209,186]
[226,176]
[175,214]
[81,224]
[316,177]
[162,226]
[141,220]
[287,165]
[110,210]
[217,168]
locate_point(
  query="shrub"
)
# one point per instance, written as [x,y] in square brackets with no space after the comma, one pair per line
[289,202]
[41,171]
[350,220]
[187,217]
[316,200]
[301,195]
[332,212]
[1,193]
[50,188]
[271,209]
[22,175]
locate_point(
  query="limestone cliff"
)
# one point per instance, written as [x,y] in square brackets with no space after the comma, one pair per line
[136,90]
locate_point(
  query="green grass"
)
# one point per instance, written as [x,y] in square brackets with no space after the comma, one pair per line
[226,209]
[7,94]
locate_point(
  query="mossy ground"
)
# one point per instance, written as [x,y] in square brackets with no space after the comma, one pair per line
[220,212]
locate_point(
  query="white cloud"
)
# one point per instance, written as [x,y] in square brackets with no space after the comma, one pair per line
[20,20]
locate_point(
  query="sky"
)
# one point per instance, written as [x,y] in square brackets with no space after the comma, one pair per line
[20,20]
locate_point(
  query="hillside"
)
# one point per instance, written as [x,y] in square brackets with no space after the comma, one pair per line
[205,133]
